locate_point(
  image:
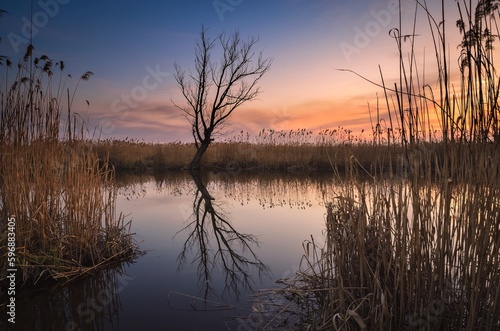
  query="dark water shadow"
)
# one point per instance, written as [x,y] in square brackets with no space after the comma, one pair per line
[88,303]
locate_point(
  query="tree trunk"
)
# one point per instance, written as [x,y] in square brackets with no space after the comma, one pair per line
[195,163]
[202,189]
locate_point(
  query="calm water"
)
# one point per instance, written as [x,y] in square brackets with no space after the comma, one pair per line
[211,241]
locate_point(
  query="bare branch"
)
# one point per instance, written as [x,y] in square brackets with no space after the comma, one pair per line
[216,89]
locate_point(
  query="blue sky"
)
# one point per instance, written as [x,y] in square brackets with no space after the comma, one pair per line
[124,42]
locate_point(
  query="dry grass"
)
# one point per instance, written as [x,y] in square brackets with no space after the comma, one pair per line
[272,152]
[140,156]
[396,257]
[62,197]
[420,253]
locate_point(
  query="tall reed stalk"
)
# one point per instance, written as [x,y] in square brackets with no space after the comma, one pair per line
[62,198]
[420,253]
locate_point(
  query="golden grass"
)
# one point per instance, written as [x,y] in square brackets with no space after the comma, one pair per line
[413,253]
[396,257]
[141,156]
[294,153]
[52,182]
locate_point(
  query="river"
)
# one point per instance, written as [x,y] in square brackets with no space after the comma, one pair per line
[209,243]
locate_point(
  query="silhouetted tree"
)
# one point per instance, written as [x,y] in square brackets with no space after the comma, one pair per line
[215,89]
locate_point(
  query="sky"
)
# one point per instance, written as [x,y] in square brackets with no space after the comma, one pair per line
[132,46]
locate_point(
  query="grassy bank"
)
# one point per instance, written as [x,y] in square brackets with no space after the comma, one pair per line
[55,188]
[256,154]
[364,158]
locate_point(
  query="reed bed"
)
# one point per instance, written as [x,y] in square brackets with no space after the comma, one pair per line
[419,253]
[294,150]
[139,156]
[400,258]
[52,181]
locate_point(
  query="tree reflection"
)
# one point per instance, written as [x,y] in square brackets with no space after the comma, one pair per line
[219,246]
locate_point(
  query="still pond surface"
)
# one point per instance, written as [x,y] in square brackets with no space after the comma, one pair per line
[211,241]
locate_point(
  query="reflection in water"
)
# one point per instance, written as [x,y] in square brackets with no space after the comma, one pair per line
[218,251]
[218,246]
[89,303]
[272,189]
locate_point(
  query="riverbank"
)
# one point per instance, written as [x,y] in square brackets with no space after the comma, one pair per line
[235,155]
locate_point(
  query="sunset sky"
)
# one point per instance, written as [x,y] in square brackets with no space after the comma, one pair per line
[131,45]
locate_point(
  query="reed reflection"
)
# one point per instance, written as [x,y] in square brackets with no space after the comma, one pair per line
[219,247]
[89,303]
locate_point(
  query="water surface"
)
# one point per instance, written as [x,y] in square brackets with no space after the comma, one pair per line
[210,242]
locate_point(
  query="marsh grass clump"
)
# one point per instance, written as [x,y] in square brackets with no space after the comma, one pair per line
[52,182]
[396,257]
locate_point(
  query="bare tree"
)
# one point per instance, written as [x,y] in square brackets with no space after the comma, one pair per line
[216,89]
